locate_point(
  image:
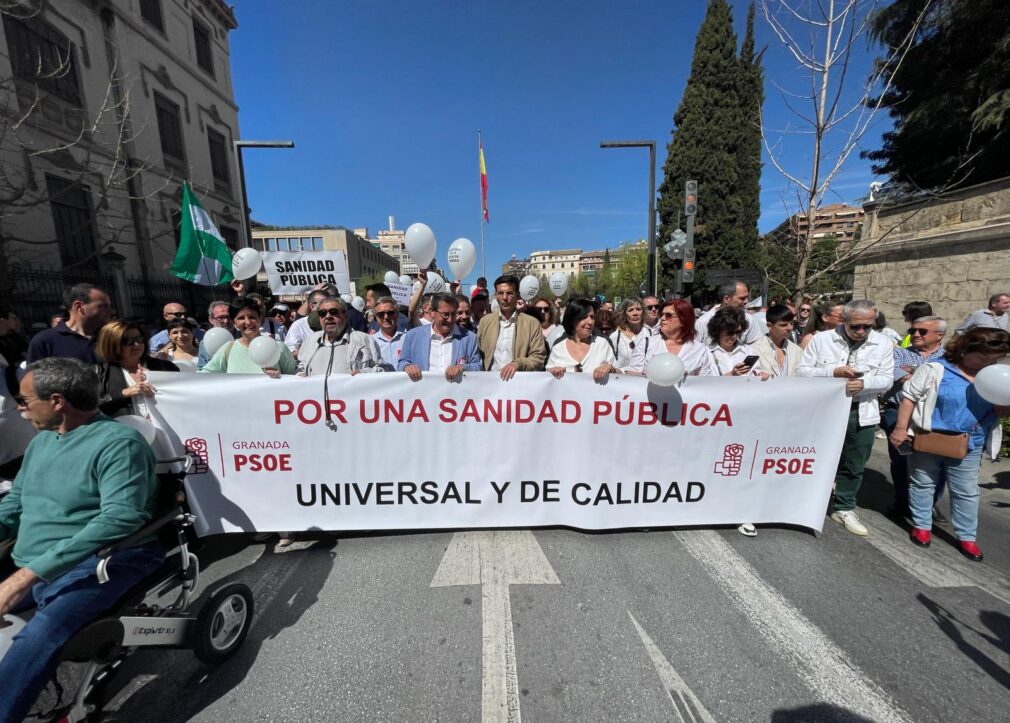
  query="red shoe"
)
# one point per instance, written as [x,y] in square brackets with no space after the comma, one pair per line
[970,550]
[921,537]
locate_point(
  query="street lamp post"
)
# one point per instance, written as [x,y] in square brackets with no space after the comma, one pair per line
[238,146]
[650,281]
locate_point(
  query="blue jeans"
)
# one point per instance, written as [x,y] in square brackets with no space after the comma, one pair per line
[899,464]
[924,473]
[64,606]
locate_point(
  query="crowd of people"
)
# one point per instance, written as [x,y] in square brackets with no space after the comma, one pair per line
[68,380]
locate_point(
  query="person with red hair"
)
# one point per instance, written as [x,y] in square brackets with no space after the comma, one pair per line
[677,335]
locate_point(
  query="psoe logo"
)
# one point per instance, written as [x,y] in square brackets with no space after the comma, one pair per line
[198,448]
[731,462]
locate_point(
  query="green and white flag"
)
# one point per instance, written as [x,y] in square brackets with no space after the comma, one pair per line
[203,256]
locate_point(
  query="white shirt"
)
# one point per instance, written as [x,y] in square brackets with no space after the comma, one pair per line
[756,328]
[829,350]
[319,359]
[600,352]
[503,347]
[696,358]
[440,355]
[626,346]
[298,333]
[725,360]
[552,334]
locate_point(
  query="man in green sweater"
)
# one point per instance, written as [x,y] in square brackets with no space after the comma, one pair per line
[86,482]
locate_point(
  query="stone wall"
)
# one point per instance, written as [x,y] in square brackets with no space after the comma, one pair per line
[952,251]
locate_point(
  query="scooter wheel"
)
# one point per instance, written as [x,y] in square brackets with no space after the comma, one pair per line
[223,623]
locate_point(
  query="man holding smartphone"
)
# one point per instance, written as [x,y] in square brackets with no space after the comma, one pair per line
[864,358]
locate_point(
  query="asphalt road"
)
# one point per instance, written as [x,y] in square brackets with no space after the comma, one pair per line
[694,625]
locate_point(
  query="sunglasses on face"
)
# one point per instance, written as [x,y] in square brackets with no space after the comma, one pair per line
[133,341]
[804,308]
[669,315]
[914,331]
[859,327]
[330,312]
[221,318]
[543,309]
[652,307]
[385,314]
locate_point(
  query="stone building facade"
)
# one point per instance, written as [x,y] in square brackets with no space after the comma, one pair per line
[105,109]
[952,250]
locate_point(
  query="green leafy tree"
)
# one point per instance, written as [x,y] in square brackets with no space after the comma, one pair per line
[748,155]
[705,145]
[950,99]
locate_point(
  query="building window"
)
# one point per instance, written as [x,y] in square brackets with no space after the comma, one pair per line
[218,147]
[230,236]
[317,243]
[170,129]
[75,229]
[150,10]
[41,54]
[271,244]
[204,53]
[259,244]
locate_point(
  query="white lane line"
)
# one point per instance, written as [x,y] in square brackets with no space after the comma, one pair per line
[939,565]
[686,706]
[494,560]
[824,668]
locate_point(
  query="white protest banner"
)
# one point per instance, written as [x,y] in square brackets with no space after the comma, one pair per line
[533,451]
[296,272]
[401,293]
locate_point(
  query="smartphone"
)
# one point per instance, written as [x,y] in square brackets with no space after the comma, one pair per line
[905,448]
[751,360]
[859,375]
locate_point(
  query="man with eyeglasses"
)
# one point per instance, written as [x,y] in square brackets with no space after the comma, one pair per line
[388,336]
[337,348]
[510,342]
[927,334]
[650,314]
[802,319]
[864,358]
[87,482]
[219,318]
[440,346]
[300,330]
[89,309]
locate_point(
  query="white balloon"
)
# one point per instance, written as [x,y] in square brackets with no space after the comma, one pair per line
[246,263]
[993,384]
[665,370]
[435,285]
[185,365]
[462,257]
[265,351]
[216,338]
[358,303]
[420,243]
[529,287]
[346,298]
[140,424]
[391,277]
[406,280]
[559,283]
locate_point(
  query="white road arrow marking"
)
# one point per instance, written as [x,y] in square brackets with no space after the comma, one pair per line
[686,706]
[494,560]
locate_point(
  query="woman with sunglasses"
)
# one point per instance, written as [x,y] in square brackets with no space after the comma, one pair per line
[677,335]
[941,398]
[551,330]
[122,370]
[233,357]
[827,317]
[729,353]
[580,348]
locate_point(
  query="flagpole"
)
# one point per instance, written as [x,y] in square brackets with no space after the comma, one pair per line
[483,255]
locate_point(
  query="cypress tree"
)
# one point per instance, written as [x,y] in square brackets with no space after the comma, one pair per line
[704,147]
[749,149]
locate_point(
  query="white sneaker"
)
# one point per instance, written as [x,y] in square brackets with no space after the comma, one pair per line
[747,529]
[850,520]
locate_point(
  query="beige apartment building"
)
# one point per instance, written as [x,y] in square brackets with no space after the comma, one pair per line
[364,260]
[836,219]
[390,242]
[545,263]
[131,99]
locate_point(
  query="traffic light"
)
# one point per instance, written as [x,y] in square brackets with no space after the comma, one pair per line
[687,267]
[690,198]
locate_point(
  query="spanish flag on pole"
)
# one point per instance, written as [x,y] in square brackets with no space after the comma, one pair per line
[483,185]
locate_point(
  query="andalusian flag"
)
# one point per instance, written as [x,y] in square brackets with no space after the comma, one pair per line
[483,185]
[203,256]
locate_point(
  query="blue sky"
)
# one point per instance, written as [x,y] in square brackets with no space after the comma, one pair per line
[384,98]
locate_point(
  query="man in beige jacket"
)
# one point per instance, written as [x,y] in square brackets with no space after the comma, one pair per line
[507,340]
